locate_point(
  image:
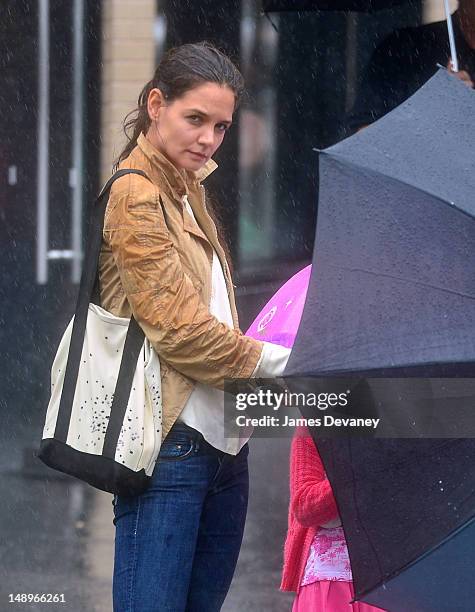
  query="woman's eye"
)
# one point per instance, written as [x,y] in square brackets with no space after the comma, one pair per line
[194,119]
[222,127]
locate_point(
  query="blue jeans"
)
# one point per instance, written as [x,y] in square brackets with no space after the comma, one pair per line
[177,544]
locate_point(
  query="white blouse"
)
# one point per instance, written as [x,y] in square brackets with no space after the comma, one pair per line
[204,410]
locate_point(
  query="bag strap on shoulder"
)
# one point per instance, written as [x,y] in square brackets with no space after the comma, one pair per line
[134,339]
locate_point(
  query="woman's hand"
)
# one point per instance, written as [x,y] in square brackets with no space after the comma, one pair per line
[461,74]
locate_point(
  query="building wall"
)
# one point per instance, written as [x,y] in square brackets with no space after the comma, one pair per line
[128,63]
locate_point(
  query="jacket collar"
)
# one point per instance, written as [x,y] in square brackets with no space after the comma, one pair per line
[205,171]
[178,180]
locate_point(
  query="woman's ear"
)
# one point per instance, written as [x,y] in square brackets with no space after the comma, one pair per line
[154,103]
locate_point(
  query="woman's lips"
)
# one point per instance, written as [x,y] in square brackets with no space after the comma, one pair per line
[199,156]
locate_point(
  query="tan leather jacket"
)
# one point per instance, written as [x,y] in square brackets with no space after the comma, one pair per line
[156,262]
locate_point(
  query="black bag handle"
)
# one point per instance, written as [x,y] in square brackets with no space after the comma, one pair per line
[133,342]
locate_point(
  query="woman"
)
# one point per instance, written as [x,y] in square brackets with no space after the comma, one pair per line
[162,260]
[316,562]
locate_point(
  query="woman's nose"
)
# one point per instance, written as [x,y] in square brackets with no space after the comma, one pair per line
[206,137]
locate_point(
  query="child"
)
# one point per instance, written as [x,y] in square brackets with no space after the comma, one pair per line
[316,562]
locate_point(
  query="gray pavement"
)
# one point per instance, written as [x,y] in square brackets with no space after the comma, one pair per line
[56,536]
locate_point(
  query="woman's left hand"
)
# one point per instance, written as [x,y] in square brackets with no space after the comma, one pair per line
[461,74]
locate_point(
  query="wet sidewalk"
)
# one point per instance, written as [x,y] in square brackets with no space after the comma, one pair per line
[57,535]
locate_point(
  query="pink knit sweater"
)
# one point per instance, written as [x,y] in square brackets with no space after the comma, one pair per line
[311,504]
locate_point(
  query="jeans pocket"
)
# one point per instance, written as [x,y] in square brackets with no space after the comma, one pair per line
[176,450]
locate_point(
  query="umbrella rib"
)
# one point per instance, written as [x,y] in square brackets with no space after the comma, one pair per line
[357,511]
[406,280]
[344,161]
[338,371]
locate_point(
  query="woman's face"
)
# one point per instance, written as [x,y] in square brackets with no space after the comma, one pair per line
[190,129]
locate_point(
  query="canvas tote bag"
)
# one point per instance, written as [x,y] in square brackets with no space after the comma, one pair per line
[104,418]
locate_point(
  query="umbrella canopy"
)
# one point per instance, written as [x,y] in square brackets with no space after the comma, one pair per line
[407,509]
[392,292]
[279,320]
[366,6]
[393,283]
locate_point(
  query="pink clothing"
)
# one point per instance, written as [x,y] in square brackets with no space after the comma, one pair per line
[329,596]
[316,563]
[311,504]
[328,557]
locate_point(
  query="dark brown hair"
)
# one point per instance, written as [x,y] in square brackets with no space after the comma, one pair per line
[181,69]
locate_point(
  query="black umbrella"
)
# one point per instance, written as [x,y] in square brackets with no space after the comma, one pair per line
[366,6]
[392,293]
[393,281]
